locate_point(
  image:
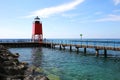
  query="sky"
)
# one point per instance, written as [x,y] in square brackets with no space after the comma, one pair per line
[60,18]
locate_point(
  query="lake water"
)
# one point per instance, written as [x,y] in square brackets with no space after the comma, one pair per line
[66,65]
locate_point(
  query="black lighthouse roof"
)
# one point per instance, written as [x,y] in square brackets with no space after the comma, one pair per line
[37,18]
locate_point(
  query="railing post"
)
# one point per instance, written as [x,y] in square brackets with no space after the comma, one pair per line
[81,44]
[87,43]
[114,44]
[95,44]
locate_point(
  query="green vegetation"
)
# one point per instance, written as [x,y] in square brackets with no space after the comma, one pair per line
[53,77]
[81,36]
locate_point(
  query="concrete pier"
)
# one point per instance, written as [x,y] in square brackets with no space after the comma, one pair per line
[62,46]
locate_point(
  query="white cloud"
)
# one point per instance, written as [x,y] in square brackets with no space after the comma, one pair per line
[116,2]
[46,12]
[110,18]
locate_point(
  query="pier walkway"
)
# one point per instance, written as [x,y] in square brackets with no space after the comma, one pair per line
[70,44]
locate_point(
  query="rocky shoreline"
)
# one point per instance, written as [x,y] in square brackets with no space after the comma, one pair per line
[12,69]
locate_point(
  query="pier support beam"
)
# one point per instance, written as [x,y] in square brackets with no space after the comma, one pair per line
[84,50]
[77,49]
[54,46]
[46,45]
[60,47]
[63,47]
[105,53]
[51,45]
[97,52]
[70,48]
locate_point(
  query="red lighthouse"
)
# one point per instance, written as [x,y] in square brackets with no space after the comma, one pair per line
[37,30]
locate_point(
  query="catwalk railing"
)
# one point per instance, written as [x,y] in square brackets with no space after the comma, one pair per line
[103,43]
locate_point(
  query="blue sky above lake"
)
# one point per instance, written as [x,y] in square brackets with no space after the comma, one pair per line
[61,18]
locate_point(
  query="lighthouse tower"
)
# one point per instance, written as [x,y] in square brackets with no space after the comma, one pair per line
[37,30]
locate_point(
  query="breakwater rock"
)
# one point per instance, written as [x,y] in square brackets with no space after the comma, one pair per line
[12,69]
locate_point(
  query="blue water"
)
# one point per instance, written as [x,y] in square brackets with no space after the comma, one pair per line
[66,65]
